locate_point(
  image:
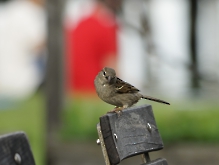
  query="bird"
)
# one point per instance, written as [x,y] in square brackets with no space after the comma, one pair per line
[117,92]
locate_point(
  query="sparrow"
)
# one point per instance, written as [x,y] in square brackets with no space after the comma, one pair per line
[117,92]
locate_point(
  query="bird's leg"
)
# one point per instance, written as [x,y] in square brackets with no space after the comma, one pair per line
[117,110]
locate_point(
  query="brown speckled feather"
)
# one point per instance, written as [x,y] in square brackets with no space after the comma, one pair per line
[124,87]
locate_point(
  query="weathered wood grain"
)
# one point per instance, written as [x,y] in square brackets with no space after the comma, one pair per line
[14,147]
[132,133]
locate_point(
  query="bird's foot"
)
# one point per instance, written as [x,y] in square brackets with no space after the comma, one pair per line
[117,110]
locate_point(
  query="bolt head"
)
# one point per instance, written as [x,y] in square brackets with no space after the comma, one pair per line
[98,141]
[17,158]
[149,127]
[115,136]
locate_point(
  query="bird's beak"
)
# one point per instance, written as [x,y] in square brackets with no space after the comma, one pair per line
[109,79]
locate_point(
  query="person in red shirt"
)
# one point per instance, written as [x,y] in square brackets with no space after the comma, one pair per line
[91,45]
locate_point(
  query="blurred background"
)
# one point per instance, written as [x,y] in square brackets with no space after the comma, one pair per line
[51,51]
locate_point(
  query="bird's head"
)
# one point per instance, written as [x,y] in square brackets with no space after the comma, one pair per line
[108,74]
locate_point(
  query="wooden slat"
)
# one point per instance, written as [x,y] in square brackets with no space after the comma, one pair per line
[15,144]
[108,140]
[132,133]
[160,161]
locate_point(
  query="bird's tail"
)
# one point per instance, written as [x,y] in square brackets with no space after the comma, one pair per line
[154,99]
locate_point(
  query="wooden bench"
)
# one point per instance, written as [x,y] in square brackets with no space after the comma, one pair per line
[15,150]
[132,133]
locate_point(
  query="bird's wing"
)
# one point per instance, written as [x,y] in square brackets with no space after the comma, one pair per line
[124,87]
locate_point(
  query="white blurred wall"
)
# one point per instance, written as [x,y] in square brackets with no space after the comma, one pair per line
[22,33]
[169,26]
[165,70]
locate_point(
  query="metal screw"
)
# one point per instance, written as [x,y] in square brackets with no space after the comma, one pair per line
[149,127]
[17,158]
[98,141]
[115,136]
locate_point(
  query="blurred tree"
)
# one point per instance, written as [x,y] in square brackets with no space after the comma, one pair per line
[54,78]
[193,45]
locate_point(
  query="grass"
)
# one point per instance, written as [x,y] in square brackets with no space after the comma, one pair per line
[27,117]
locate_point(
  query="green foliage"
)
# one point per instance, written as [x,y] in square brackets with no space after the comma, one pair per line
[80,118]
[194,124]
[176,123]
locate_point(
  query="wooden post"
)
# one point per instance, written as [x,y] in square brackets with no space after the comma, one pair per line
[132,133]
[101,142]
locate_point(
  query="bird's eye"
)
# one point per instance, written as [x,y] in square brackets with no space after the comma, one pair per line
[104,73]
